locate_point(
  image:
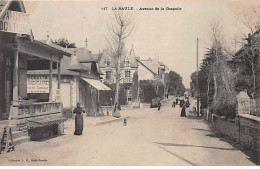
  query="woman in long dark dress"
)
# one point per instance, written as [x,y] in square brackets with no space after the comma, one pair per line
[78,120]
[159,105]
[183,110]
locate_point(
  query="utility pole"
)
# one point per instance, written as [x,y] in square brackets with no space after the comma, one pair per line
[198,77]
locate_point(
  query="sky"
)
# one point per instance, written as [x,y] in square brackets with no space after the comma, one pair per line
[169,35]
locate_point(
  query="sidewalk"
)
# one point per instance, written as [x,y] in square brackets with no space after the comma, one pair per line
[99,120]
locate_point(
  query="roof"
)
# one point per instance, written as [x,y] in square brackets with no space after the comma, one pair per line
[65,61]
[151,65]
[83,54]
[54,46]
[107,54]
[4,5]
[96,57]
[255,34]
[96,83]
[82,59]
[75,65]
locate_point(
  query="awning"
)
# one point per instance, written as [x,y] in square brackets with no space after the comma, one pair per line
[44,121]
[96,83]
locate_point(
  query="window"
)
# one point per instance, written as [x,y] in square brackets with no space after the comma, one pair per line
[127,75]
[108,62]
[127,62]
[108,75]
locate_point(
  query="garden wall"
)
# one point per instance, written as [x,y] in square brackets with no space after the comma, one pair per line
[244,129]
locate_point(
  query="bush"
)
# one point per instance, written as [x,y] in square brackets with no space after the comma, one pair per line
[122,95]
[104,96]
[160,90]
[148,90]
[225,105]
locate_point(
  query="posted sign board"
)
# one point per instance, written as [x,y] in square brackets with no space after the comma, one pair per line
[15,22]
[37,84]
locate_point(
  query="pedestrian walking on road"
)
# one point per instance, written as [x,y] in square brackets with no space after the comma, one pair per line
[159,105]
[173,104]
[78,120]
[183,110]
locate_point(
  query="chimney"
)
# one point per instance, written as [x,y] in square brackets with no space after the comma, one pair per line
[74,63]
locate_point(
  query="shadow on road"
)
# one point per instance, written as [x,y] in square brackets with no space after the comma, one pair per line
[253,155]
[201,129]
[188,145]
[176,155]
[194,117]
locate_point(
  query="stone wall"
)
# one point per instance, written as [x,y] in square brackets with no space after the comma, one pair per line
[225,126]
[249,131]
[244,129]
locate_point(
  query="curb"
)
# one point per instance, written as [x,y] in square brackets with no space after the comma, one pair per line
[112,121]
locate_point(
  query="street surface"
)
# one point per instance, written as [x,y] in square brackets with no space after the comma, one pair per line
[151,137]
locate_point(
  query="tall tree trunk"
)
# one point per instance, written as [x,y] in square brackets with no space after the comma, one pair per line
[208,93]
[254,81]
[116,112]
[208,98]
[215,84]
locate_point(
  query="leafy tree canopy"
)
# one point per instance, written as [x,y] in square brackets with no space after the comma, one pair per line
[63,42]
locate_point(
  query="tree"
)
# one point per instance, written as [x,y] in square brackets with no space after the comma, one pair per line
[135,86]
[63,42]
[120,29]
[216,78]
[193,84]
[250,53]
[148,90]
[174,83]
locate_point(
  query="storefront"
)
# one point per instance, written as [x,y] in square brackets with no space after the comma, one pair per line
[79,83]
[27,105]
[88,80]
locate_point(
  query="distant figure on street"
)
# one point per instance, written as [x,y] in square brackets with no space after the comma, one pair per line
[181,103]
[115,108]
[125,122]
[107,113]
[183,110]
[78,120]
[173,104]
[159,105]
[177,100]
[187,103]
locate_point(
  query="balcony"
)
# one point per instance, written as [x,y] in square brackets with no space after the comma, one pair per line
[109,81]
[26,110]
[128,80]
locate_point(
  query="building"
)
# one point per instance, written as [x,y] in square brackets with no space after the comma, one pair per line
[19,52]
[107,66]
[87,80]
[247,61]
[129,66]
[152,69]
[79,80]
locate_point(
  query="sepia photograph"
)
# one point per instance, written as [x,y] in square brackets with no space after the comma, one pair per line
[129,83]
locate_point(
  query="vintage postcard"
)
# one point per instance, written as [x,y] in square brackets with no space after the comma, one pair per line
[129,83]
